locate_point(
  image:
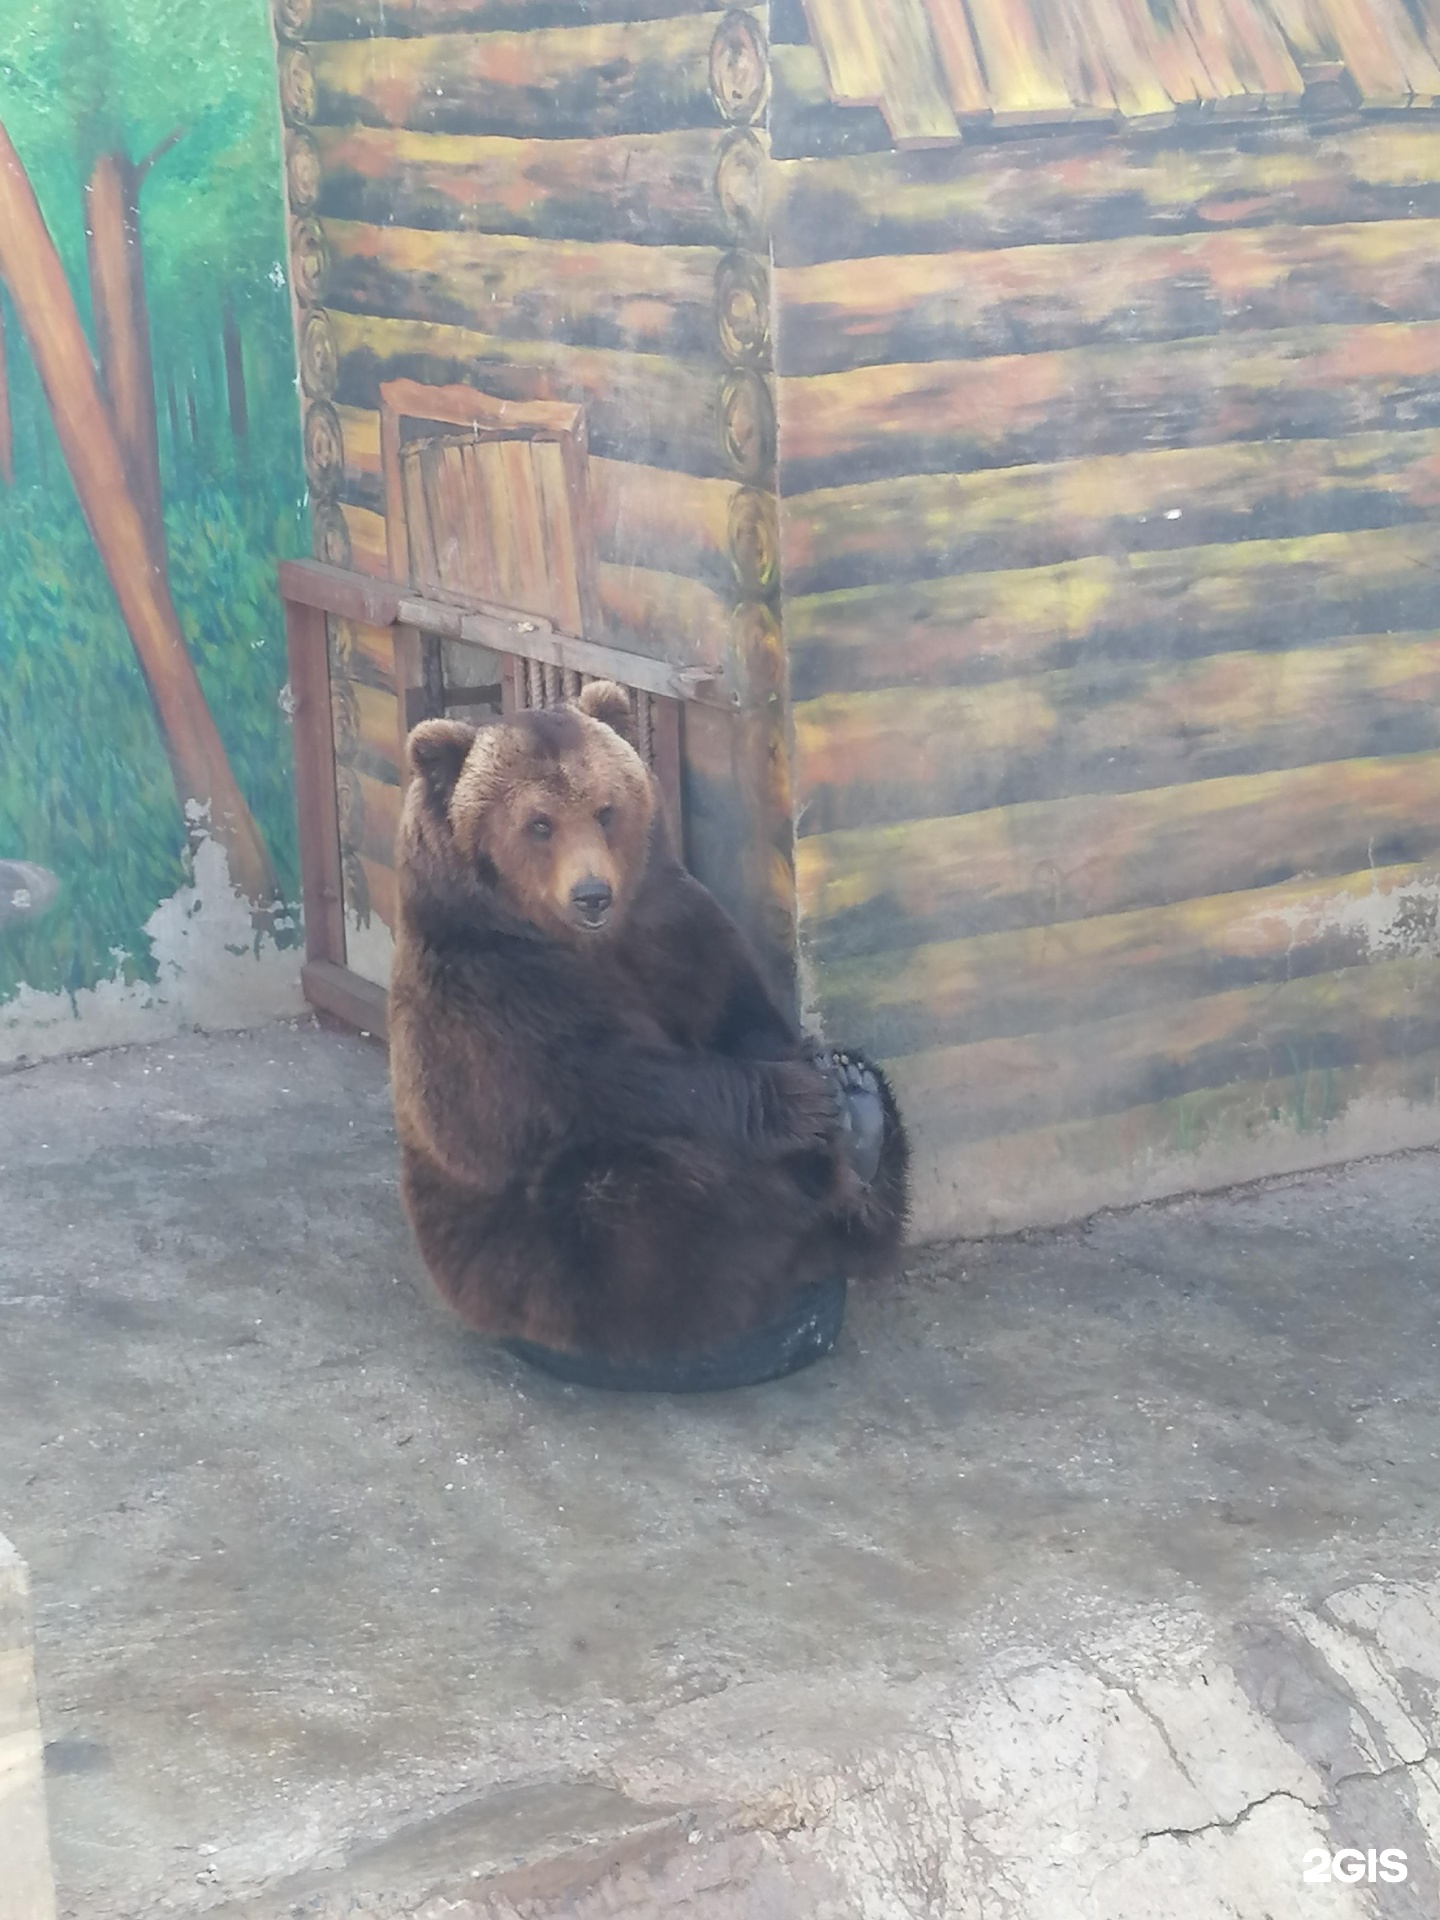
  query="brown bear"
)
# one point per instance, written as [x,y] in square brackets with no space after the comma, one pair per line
[613,1140]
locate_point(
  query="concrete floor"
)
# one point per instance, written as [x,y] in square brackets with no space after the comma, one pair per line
[1096,1577]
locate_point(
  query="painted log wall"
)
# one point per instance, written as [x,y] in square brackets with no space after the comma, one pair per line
[1109,481]
[564,202]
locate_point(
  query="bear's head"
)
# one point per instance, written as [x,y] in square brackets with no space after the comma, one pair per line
[552,810]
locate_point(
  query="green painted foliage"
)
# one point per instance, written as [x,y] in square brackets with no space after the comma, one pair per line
[85,788]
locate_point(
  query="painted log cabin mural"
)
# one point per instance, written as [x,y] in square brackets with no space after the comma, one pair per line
[1008,435]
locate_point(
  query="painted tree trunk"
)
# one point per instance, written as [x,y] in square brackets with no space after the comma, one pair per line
[35,278]
[235,377]
[122,329]
[7,425]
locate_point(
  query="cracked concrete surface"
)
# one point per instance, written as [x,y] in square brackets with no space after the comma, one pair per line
[1095,1578]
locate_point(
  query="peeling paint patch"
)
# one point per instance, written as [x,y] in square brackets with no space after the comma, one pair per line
[1388,920]
[213,970]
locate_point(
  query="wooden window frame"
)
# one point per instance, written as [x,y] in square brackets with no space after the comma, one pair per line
[313,593]
[489,418]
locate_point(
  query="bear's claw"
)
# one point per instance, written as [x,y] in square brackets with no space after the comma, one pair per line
[862,1111]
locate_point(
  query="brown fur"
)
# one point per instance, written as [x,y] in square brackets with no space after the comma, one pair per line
[612,1139]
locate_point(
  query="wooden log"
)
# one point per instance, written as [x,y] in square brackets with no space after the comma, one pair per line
[402,19]
[324,448]
[1328,1022]
[742,310]
[377,749]
[298,91]
[637,299]
[365,653]
[304,171]
[930,525]
[742,182]
[1027,982]
[1073,188]
[639,407]
[330,536]
[886,889]
[974,628]
[319,360]
[663,521]
[947,416]
[381,802]
[381,890]
[938,306]
[663,615]
[642,77]
[369,552]
[1286,1120]
[363,483]
[309,260]
[729,839]
[753,534]
[907,754]
[660,188]
[748,432]
[739,69]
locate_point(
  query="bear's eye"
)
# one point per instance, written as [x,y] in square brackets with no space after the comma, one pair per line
[605,815]
[540,828]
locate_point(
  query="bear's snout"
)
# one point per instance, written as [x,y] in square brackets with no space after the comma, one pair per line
[592,900]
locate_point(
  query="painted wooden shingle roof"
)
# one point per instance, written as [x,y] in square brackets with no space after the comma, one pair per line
[930,65]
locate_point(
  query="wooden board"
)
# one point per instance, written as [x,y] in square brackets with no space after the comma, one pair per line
[937,306]
[878,890]
[641,299]
[928,525]
[1325,1022]
[1287,1118]
[1060,190]
[1022,409]
[624,78]
[364,19]
[1146,607]
[1071,973]
[656,187]
[905,754]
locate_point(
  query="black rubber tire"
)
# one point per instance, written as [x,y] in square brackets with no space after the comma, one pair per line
[806,1333]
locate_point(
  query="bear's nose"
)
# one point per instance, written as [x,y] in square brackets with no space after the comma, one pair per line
[591,900]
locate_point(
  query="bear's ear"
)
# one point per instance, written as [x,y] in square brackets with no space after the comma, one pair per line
[604,700]
[437,750]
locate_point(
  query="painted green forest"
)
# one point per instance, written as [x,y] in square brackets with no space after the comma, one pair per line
[176,103]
